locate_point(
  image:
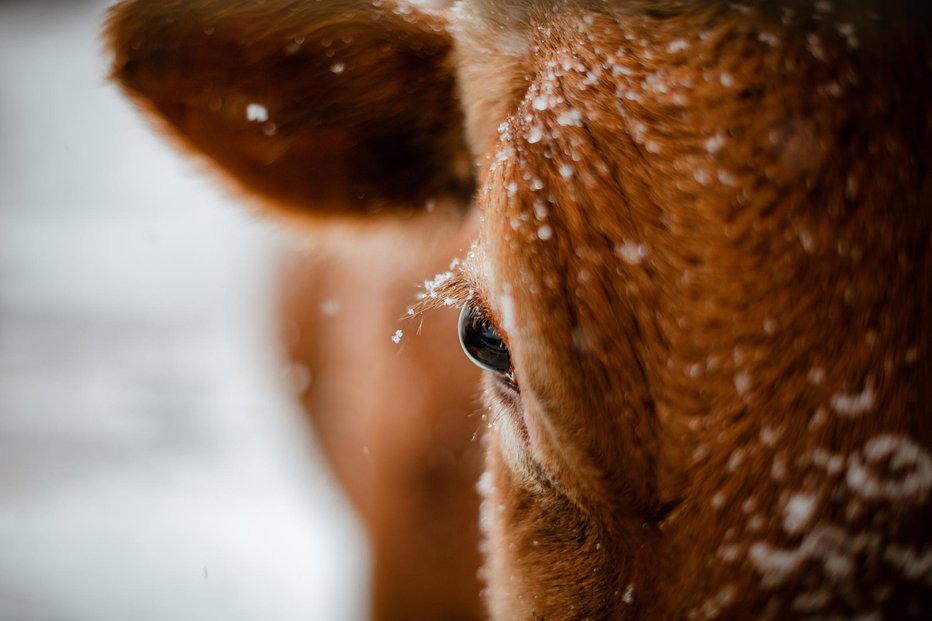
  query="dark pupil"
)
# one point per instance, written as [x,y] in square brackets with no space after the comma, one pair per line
[481,342]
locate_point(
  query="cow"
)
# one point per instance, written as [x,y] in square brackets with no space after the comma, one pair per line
[698,284]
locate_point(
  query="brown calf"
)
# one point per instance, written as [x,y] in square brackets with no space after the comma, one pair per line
[701,286]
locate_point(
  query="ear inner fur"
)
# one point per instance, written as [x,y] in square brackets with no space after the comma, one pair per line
[335,107]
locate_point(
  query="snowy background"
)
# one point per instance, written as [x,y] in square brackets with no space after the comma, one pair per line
[152,463]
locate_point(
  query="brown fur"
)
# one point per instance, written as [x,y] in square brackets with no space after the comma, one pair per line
[706,240]
[698,304]
[396,422]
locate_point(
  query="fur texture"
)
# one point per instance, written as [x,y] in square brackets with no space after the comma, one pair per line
[707,244]
[271,92]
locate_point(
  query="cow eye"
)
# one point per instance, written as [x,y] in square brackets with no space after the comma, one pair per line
[482,343]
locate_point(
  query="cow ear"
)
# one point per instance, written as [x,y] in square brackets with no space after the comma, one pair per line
[329,106]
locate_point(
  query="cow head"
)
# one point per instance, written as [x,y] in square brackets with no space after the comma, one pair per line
[701,289]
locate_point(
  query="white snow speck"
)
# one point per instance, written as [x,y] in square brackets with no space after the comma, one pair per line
[257,113]
[535,134]
[566,171]
[431,286]
[396,337]
[735,460]
[798,512]
[769,435]
[769,38]
[742,382]
[677,45]
[540,210]
[778,468]
[831,462]
[330,308]
[714,144]
[774,564]
[571,117]
[910,562]
[728,553]
[816,375]
[819,418]
[806,239]
[337,68]
[854,404]
[718,501]
[848,31]
[726,178]
[545,232]
[831,547]
[814,43]
[486,484]
[631,252]
[540,102]
[508,311]
[909,467]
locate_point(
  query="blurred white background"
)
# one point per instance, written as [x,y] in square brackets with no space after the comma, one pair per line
[152,463]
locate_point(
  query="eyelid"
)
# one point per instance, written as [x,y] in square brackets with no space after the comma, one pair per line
[460,289]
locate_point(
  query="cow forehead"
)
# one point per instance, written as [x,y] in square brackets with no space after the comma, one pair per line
[707,146]
[626,155]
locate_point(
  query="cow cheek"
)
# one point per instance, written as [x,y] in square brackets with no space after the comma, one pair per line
[507,426]
[503,594]
[541,550]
